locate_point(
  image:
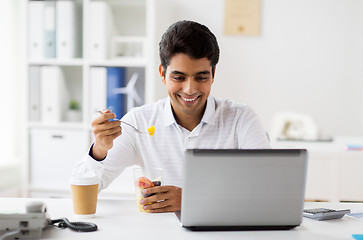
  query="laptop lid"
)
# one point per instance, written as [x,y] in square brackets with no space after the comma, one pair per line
[247,189]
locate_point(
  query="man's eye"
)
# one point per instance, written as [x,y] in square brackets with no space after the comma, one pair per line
[178,78]
[201,79]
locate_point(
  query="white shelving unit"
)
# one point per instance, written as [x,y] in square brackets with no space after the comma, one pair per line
[50,153]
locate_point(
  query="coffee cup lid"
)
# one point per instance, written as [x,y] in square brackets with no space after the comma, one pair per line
[84,180]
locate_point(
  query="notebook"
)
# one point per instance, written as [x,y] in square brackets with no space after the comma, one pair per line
[243,189]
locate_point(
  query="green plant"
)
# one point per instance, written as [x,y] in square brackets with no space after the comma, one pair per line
[74,105]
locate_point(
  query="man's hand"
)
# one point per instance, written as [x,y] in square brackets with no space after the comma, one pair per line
[166,199]
[105,132]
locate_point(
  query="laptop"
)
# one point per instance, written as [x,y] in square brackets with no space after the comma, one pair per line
[261,189]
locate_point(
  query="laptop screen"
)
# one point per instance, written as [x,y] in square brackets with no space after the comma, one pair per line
[262,187]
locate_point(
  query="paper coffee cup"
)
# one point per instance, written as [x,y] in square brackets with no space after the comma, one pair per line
[84,196]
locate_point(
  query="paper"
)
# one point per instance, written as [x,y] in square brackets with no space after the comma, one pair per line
[356,215]
[242,17]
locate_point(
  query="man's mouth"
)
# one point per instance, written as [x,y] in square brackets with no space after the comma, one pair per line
[189,100]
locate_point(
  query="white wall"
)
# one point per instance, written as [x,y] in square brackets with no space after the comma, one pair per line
[308,59]
[7,82]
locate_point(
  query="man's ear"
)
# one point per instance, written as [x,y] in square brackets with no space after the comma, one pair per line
[162,74]
[214,73]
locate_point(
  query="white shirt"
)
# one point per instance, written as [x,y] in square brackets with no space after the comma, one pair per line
[224,125]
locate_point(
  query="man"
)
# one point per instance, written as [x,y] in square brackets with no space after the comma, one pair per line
[188,118]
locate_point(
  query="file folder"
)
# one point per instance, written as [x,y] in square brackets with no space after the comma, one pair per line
[54,96]
[36,30]
[66,37]
[116,102]
[34,93]
[49,29]
[100,30]
[98,90]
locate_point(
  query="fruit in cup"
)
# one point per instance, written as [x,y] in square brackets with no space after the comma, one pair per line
[157,183]
[143,182]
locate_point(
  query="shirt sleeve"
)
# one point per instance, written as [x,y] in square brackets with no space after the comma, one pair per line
[124,153]
[252,134]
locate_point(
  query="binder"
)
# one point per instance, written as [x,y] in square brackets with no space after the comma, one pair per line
[100,31]
[36,31]
[66,37]
[34,93]
[116,102]
[54,96]
[49,29]
[98,90]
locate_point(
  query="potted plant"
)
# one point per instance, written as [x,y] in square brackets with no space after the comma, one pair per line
[74,113]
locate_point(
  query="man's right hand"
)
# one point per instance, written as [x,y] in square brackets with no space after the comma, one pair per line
[105,132]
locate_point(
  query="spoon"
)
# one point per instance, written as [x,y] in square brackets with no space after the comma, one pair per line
[135,129]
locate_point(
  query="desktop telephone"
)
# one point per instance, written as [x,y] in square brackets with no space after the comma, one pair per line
[29,225]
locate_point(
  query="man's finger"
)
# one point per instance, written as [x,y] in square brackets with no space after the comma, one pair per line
[154,198]
[162,210]
[158,189]
[106,125]
[104,118]
[156,205]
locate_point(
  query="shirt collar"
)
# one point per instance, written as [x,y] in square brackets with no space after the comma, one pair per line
[210,109]
[208,116]
[168,113]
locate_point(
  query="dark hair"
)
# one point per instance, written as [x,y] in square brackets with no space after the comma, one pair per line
[190,38]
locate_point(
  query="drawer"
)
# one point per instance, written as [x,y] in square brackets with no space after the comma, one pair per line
[53,154]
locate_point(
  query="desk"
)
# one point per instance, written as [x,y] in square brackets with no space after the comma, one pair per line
[119,219]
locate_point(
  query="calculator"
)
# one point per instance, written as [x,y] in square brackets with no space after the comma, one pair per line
[324,213]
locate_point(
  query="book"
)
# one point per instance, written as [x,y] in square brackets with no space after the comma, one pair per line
[116,102]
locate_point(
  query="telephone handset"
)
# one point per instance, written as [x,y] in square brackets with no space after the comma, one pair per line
[29,225]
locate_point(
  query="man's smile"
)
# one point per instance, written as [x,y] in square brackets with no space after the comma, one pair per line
[189,99]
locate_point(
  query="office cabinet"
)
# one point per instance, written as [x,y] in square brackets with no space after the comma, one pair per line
[66,40]
[53,154]
[350,173]
[334,173]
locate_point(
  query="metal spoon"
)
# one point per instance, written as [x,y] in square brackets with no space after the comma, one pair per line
[135,129]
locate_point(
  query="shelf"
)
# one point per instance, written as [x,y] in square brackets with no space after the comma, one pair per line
[61,125]
[126,2]
[56,62]
[121,62]
[122,36]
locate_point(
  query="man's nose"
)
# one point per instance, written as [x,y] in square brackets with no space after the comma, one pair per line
[189,86]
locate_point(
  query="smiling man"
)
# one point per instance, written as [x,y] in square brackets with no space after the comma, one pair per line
[188,118]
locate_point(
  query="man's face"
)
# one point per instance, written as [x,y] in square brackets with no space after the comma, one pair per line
[188,82]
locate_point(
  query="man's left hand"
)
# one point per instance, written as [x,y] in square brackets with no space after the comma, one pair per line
[166,199]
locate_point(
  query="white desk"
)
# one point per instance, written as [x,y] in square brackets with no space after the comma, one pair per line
[119,219]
